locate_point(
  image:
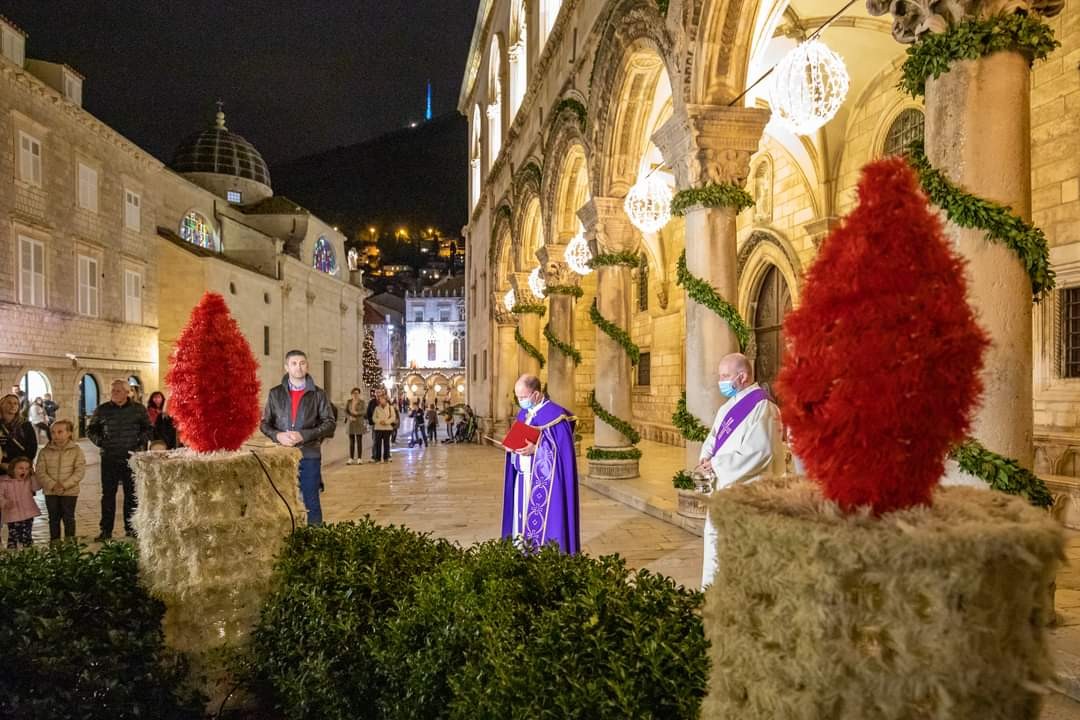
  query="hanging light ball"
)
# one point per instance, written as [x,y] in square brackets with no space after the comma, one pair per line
[578,255]
[509,300]
[648,204]
[536,283]
[809,85]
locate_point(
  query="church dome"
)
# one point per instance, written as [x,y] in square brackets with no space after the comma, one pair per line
[218,151]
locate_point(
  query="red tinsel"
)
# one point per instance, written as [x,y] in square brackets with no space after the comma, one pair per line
[882,371]
[214,380]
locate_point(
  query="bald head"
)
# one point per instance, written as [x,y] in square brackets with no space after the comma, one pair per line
[527,390]
[736,368]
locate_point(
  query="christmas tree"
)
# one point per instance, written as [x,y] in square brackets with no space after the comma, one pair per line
[214,380]
[882,372]
[372,371]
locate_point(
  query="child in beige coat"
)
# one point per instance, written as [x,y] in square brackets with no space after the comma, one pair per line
[60,468]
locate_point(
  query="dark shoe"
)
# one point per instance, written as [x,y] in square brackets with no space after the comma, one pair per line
[322,487]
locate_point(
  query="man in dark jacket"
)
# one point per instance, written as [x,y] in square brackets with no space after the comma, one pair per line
[298,414]
[119,427]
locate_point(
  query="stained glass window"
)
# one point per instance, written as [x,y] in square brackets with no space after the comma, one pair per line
[324,258]
[196,230]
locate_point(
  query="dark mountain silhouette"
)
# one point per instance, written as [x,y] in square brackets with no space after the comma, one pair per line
[414,177]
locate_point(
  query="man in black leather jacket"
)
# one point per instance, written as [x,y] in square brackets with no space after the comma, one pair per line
[298,414]
[119,427]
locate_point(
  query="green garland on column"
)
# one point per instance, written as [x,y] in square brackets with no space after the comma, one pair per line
[705,294]
[626,258]
[529,309]
[564,347]
[622,427]
[689,426]
[712,195]
[575,291]
[616,333]
[930,57]
[528,347]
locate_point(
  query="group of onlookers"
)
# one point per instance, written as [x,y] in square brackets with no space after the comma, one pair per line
[38,451]
[384,417]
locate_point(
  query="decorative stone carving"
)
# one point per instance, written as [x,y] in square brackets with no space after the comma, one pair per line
[310,295]
[519,281]
[711,144]
[555,269]
[499,313]
[913,18]
[607,228]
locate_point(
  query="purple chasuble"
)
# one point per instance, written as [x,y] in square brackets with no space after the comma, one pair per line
[735,417]
[552,505]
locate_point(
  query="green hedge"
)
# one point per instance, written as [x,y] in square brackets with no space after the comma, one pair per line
[380,622]
[81,639]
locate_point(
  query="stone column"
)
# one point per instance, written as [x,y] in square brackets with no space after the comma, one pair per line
[978,131]
[528,324]
[561,368]
[506,370]
[709,144]
[608,230]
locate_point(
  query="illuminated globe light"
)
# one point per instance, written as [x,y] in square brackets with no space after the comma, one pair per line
[578,255]
[809,85]
[438,388]
[648,204]
[509,300]
[413,386]
[536,283]
[461,388]
[388,383]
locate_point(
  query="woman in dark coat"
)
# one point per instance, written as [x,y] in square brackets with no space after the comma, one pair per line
[18,438]
[161,421]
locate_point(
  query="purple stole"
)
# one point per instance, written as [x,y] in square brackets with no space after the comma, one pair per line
[736,416]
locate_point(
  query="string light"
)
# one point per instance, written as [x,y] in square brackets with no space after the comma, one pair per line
[648,204]
[808,87]
[536,283]
[578,255]
[509,300]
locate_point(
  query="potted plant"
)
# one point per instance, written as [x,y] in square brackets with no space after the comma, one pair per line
[693,492]
[867,591]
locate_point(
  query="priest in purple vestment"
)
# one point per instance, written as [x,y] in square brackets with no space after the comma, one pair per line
[540,501]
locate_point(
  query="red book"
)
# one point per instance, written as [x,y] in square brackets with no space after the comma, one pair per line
[520,435]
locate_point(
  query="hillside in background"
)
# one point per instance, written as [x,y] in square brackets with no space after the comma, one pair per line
[414,177]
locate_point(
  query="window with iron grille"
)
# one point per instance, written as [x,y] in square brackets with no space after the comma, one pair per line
[1070,332]
[644,369]
[643,285]
[905,129]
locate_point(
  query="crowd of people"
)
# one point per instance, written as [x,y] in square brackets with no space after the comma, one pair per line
[38,451]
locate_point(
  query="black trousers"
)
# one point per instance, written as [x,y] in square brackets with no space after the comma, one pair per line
[433,432]
[61,508]
[356,447]
[20,534]
[381,451]
[114,474]
[419,434]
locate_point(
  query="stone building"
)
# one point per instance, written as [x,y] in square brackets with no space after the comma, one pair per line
[109,250]
[572,103]
[80,203]
[435,343]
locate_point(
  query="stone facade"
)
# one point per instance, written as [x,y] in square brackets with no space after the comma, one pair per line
[605,83]
[106,218]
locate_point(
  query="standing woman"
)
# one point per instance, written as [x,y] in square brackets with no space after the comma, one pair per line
[17,436]
[39,419]
[161,421]
[355,414]
[383,420]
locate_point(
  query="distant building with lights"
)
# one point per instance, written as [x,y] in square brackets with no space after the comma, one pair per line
[384,315]
[435,343]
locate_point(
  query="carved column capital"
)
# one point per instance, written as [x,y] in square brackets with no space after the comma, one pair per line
[914,18]
[711,143]
[499,313]
[552,259]
[607,228]
[519,281]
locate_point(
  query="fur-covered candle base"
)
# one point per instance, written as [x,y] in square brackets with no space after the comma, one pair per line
[923,614]
[209,526]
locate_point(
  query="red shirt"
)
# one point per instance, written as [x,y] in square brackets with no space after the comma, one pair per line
[295,395]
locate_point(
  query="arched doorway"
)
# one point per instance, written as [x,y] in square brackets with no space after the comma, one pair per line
[89,398]
[773,302]
[35,384]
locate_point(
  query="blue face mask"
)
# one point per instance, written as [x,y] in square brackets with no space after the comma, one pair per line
[526,403]
[728,389]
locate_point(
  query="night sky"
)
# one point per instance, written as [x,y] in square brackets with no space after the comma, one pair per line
[296,77]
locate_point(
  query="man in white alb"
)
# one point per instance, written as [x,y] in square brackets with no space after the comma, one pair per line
[744,443]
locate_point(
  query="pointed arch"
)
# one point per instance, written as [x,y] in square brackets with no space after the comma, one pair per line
[518,54]
[569,160]
[496,109]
